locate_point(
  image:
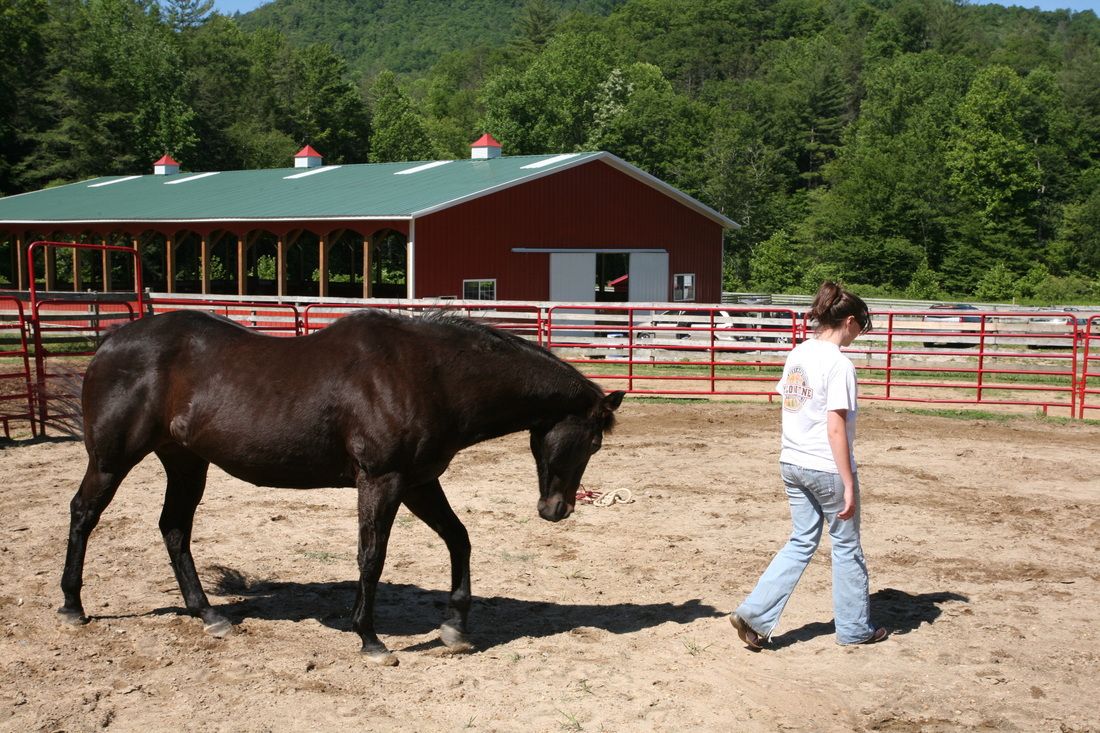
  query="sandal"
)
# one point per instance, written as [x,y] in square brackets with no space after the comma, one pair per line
[745,633]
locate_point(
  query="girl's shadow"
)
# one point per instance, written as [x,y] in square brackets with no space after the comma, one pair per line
[898,611]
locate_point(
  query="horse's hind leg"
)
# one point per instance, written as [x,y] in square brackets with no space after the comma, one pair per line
[87,506]
[429,503]
[186,483]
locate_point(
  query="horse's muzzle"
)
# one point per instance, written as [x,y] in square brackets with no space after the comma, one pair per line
[555,509]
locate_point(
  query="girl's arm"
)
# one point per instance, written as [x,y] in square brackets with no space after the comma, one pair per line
[837,430]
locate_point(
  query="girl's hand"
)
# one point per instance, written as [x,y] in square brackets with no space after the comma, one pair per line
[849,510]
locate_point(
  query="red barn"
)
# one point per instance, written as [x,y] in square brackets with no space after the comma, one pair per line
[527,228]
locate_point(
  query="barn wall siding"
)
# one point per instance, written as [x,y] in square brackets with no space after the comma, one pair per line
[588,207]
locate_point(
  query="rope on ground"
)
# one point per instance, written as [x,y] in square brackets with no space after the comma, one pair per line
[599,498]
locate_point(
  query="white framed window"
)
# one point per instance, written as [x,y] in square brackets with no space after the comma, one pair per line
[479,289]
[683,286]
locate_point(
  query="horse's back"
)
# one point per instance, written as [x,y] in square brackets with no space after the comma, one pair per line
[136,372]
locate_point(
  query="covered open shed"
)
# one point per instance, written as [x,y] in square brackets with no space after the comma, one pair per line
[529,228]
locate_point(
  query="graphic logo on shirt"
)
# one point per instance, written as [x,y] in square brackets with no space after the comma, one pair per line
[796,392]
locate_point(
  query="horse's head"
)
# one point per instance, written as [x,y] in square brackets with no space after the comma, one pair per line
[562,450]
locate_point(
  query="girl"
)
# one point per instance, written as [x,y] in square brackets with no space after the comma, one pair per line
[818,468]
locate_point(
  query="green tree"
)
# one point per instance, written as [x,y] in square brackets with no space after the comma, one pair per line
[925,284]
[997,284]
[809,104]
[399,129]
[1076,248]
[118,95]
[535,26]
[778,264]
[21,73]
[184,14]
[328,111]
[639,117]
[992,171]
[889,180]
[746,179]
[547,107]
[1030,283]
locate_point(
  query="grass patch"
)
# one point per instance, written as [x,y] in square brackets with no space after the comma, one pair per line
[959,414]
[324,557]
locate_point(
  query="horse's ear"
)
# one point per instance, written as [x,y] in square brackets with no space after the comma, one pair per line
[613,400]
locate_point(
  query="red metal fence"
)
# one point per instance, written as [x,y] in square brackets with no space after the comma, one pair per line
[1010,359]
[1090,369]
[1046,361]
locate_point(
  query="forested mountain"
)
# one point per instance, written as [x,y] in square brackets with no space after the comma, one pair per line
[916,147]
[404,36]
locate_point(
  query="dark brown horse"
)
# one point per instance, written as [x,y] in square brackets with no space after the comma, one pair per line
[375,401]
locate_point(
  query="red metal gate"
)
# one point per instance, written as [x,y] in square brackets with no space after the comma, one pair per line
[16,385]
[66,332]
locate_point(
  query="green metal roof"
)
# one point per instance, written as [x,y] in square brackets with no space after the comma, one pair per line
[363,191]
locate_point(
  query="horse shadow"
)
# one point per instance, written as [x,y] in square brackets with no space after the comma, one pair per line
[900,612]
[409,610]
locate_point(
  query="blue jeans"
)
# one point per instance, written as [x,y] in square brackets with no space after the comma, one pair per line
[816,497]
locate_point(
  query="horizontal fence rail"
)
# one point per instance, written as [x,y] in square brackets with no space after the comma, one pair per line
[522,320]
[274,319]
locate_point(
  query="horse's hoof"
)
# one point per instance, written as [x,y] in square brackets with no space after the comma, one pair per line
[71,617]
[455,641]
[382,657]
[218,628]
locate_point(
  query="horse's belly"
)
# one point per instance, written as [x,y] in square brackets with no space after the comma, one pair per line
[262,467]
[289,480]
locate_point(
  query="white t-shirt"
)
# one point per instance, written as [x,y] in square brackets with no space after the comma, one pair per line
[817,378]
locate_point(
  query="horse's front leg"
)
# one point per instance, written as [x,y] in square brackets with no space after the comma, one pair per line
[378,503]
[429,503]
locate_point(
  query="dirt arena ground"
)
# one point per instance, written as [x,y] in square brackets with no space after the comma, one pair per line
[981,537]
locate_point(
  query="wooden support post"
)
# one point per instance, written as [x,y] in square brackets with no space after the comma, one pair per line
[78,278]
[322,265]
[135,242]
[51,268]
[106,262]
[20,265]
[280,266]
[368,263]
[170,263]
[242,271]
[204,263]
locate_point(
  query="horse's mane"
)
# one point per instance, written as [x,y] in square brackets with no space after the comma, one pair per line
[493,339]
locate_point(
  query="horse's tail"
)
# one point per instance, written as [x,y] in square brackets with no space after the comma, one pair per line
[63,391]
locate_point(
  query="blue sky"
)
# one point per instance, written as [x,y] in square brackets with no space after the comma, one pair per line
[229,7]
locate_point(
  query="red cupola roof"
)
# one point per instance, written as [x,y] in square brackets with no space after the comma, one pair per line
[485,141]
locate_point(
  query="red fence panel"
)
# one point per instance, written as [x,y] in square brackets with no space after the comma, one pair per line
[965,357]
[1090,367]
[688,350]
[67,332]
[68,329]
[522,320]
[16,384]
[274,319]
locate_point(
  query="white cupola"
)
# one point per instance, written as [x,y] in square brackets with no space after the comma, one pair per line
[166,166]
[307,157]
[486,147]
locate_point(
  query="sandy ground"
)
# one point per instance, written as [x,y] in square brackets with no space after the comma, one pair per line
[981,536]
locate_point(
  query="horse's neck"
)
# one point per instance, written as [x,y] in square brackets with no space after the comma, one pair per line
[522,402]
